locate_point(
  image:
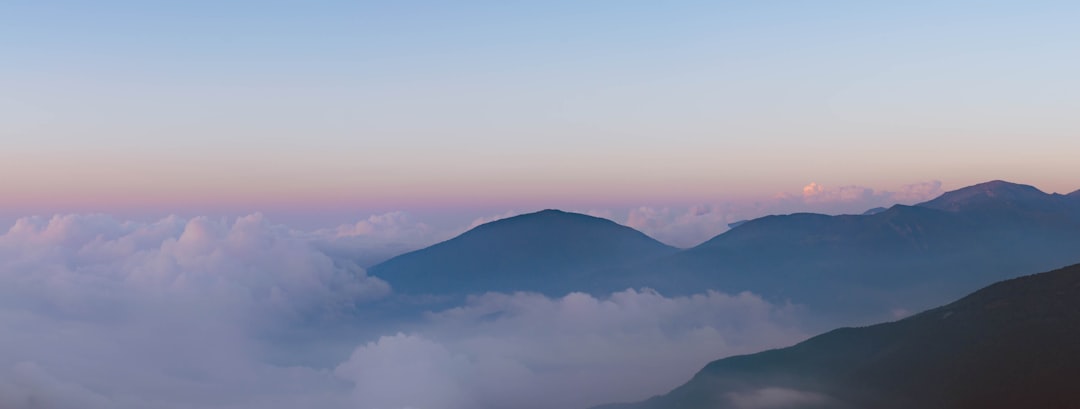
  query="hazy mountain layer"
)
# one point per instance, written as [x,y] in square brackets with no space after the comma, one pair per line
[903,258]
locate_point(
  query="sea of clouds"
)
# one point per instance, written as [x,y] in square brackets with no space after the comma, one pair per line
[211,313]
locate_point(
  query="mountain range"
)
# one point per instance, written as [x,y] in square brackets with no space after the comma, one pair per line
[856,267]
[1014,344]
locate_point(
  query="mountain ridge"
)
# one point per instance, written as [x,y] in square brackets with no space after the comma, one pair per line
[902,258]
[1000,199]
[995,189]
[906,257]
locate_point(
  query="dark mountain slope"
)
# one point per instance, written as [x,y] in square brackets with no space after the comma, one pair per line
[1015,344]
[551,251]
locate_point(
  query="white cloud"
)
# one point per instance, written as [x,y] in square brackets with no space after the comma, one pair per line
[855,199]
[775,398]
[398,226]
[683,227]
[815,193]
[377,238]
[918,192]
[202,313]
[100,313]
[530,351]
[92,264]
[27,385]
[406,371]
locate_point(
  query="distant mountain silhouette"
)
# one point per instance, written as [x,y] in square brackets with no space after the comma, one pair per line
[551,251]
[994,194]
[999,199]
[1014,344]
[866,266]
[855,268]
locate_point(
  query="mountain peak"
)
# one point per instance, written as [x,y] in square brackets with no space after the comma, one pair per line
[996,183]
[550,251]
[554,213]
[995,191]
[546,217]
[550,212]
[998,188]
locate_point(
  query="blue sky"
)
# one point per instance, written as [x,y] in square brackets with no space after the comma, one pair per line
[407,104]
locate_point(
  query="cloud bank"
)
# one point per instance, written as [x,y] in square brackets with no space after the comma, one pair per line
[101,313]
[529,351]
[378,238]
[202,313]
[852,198]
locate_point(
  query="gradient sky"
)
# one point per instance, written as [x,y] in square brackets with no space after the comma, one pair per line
[196,105]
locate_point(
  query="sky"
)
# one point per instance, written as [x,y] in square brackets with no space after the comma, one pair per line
[190,191]
[320,113]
